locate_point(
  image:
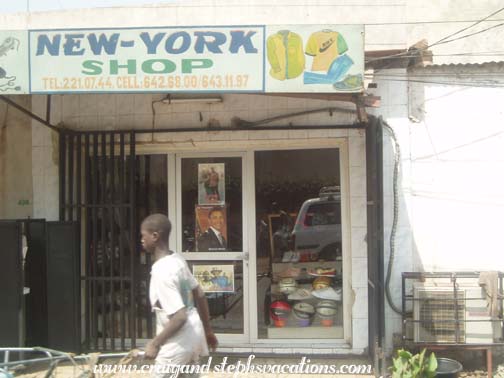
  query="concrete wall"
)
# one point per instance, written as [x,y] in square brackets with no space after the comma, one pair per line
[233,12]
[389,23]
[451,192]
[45,158]
[437,19]
[16,190]
[457,157]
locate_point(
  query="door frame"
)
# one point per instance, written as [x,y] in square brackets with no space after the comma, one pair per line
[246,149]
[220,256]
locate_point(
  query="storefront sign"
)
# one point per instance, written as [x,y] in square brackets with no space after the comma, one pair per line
[14,78]
[279,58]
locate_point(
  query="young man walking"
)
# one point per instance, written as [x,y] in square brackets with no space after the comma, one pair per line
[183,332]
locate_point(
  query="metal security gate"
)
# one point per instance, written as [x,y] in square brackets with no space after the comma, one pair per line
[98,180]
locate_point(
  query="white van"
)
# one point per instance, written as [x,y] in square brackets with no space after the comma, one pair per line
[317,231]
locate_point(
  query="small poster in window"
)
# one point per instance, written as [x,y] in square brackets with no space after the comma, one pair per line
[215,278]
[211,228]
[211,184]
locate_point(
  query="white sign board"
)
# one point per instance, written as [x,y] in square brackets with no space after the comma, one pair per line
[255,59]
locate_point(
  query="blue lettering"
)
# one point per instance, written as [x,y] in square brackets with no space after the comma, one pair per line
[72,44]
[212,45]
[239,39]
[170,43]
[151,43]
[102,43]
[44,43]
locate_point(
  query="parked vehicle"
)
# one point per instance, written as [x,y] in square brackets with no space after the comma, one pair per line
[317,231]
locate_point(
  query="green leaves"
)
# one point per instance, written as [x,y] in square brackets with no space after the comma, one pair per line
[407,365]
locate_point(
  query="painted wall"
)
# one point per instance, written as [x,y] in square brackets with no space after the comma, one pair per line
[451,194]
[389,23]
[16,188]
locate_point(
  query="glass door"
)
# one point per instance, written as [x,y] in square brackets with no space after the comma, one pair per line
[211,224]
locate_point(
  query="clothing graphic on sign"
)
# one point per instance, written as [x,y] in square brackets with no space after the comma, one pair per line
[285,55]
[339,67]
[351,83]
[171,290]
[325,46]
[211,240]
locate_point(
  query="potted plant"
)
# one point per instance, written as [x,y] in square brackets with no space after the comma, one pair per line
[407,365]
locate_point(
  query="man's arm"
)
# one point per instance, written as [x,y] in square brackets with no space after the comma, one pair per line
[204,313]
[177,320]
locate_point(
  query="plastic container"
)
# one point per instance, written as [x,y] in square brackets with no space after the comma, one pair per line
[448,368]
[327,322]
[280,322]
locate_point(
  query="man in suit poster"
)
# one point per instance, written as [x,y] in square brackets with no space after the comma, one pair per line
[211,230]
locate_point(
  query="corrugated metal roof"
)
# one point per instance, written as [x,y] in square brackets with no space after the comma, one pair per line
[485,65]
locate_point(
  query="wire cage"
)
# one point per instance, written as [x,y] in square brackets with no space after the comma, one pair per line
[452,308]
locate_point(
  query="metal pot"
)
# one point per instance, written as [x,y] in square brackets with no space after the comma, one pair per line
[448,368]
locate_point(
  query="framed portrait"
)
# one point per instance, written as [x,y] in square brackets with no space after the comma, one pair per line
[215,278]
[211,184]
[211,228]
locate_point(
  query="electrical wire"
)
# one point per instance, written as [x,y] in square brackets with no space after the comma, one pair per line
[444,39]
[414,55]
[434,74]
[448,83]
[469,35]
[397,159]
[468,27]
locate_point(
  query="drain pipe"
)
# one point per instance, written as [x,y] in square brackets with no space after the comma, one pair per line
[390,265]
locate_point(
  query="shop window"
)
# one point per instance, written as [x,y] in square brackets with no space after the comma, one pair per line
[212,198]
[222,282]
[299,255]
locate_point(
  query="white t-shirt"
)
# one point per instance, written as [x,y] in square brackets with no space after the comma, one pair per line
[171,287]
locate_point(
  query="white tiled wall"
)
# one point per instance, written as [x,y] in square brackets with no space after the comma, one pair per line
[97,112]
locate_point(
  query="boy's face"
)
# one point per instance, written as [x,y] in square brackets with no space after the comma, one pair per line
[149,239]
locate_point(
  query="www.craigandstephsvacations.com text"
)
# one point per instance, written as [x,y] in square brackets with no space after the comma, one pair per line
[304,366]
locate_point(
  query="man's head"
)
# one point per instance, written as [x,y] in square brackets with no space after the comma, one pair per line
[216,218]
[155,231]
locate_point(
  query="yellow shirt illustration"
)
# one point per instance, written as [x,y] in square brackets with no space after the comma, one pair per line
[285,55]
[325,46]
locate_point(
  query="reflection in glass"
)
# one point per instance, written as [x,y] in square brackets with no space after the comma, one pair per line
[299,259]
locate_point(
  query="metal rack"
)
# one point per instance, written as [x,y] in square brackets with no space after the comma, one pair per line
[451,309]
[453,279]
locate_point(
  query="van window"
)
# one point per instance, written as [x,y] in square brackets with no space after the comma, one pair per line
[322,214]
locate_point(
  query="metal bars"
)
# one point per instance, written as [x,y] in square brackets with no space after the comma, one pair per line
[98,189]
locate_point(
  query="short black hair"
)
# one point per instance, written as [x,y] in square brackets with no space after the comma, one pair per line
[214,209]
[158,223]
